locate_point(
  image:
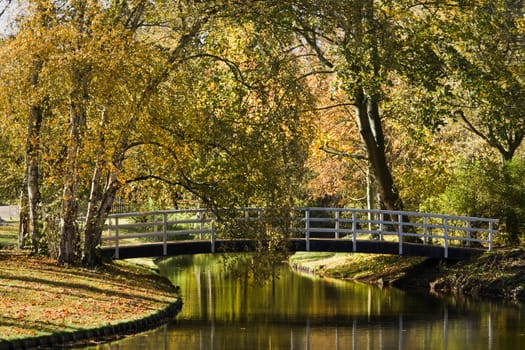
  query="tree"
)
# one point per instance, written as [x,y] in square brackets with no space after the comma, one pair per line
[484,54]
[33,103]
[368,43]
[144,92]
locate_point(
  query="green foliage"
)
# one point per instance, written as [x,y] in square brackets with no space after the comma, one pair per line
[486,188]
[483,50]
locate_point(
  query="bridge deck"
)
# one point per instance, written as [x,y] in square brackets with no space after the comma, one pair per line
[295,245]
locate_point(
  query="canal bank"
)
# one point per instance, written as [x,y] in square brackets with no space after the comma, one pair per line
[498,275]
[46,306]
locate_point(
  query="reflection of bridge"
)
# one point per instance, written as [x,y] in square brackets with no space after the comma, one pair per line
[194,231]
[436,331]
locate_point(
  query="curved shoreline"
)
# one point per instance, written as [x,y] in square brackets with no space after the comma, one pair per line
[47,306]
[497,275]
[100,334]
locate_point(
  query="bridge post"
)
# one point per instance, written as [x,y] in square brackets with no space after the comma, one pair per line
[445,230]
[307,228]
[354,230]
[337,212]
[164,234]
[116,238]
[491,230]
[425,230]
[213,236]
[400,232]
[155,223]
[381,225]
[200,217]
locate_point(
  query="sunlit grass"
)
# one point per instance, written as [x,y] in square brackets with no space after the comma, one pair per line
[37,297]
[8,235]
[357,266]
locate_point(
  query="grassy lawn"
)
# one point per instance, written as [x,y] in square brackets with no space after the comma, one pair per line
[357,266]
[9,235]
[37,297]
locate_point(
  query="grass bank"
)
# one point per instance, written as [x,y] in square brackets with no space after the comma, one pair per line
[39,298]
[368,268]
[496,275]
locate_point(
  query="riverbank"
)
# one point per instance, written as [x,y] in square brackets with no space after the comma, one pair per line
[496,275]
[46,305]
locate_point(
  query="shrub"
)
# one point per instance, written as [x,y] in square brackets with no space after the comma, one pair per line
[487,188]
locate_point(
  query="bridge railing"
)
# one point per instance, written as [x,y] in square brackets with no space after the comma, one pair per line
[158,226]
[302,223]
[400,226]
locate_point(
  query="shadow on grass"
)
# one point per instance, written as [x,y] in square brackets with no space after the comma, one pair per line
[34,328]
[77,286]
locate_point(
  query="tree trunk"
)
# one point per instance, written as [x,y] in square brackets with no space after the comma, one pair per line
[99,205]
[91,238]
[68,231]
[69,215]
[69,212]
[370,128]
[95,223]
[34,126]
[23,222]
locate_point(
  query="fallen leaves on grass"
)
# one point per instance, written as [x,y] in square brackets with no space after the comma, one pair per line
[37,297]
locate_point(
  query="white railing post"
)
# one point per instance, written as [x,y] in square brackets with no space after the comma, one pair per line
[445,231]
[117,243]
[425,229]
[307,228]
[400,232]
[491,229]
[164,233]
[200,217]
[469,226]
[213,236]
[354,230]
[370,218]
[337,224]
[381,225]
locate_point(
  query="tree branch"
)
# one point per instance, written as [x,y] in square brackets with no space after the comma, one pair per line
[342,153]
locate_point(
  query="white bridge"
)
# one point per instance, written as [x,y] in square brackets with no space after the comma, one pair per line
[193,231]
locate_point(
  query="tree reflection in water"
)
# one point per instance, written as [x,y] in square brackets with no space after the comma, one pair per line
[299,311]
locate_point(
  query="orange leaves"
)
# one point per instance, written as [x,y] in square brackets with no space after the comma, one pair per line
[36,296]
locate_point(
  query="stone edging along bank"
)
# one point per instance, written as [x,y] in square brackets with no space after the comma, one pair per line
[105,333]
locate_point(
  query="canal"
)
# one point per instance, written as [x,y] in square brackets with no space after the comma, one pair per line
[297,311]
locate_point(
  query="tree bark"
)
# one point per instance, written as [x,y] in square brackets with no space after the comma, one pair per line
[95,224]
[99,204]
[69,214]
[34,126]
[23,223]
[370,128]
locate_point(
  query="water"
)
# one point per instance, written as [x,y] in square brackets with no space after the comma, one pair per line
[304,312]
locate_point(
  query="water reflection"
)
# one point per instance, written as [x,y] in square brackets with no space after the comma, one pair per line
[305,312]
